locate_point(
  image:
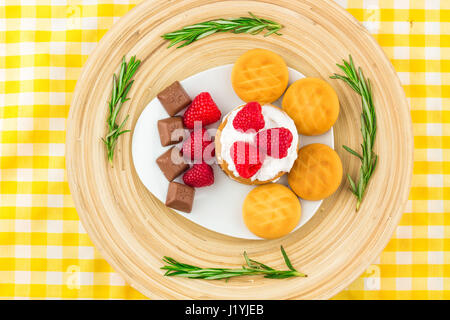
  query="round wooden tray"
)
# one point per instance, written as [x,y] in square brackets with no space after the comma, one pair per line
[133,230]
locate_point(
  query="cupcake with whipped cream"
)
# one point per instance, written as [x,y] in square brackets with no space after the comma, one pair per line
[256,144]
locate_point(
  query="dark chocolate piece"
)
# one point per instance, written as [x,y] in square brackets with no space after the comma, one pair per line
[180,197]
[174,98]
[172,163]
[171,130]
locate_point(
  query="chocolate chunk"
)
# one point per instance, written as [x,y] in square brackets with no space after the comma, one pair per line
[172,163]
[171,130]
[174,98]
[180,197]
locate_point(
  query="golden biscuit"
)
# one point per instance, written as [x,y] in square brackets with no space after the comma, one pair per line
[259,75]
[313,105]
[271,211]
[316,173]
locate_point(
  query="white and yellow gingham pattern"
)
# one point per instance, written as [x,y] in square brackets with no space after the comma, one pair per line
[44,251]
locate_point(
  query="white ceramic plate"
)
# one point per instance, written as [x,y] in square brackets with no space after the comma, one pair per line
[217,207]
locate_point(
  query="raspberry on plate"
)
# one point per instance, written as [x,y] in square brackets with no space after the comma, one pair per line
[199,146]
[202,109]
[247,158]
[250,117]
[275,142]
[200,175]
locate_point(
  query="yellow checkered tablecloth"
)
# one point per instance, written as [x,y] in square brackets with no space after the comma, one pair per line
[44,251]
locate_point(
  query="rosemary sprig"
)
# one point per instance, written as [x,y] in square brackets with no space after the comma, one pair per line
[251,25]
[178,269]
[356,80]
[120,86]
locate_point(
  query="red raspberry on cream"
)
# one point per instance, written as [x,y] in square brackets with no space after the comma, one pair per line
[249,118]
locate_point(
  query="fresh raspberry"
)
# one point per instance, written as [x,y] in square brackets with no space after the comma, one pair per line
[197,146]
[249,117]
[275,142]
[202,109]
[247,159]
[200,175]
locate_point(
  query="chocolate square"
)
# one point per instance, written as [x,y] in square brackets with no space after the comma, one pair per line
[171,130]
[174,98]
[172,163]
[180,197]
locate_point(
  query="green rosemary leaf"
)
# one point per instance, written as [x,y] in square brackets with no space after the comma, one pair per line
[286,259]
[121,74]
[355,78]
[262,265]
[272,32]
[247,260]
[255,30]
[122,132]
[352,152]
[352,184]
[251,25]
[254,17]
[121,85]
[175,268]
[220,276]
[208,33]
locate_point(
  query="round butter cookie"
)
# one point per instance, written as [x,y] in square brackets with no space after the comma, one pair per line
[313,105]
[271,211]
[259,75]
[317,172]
